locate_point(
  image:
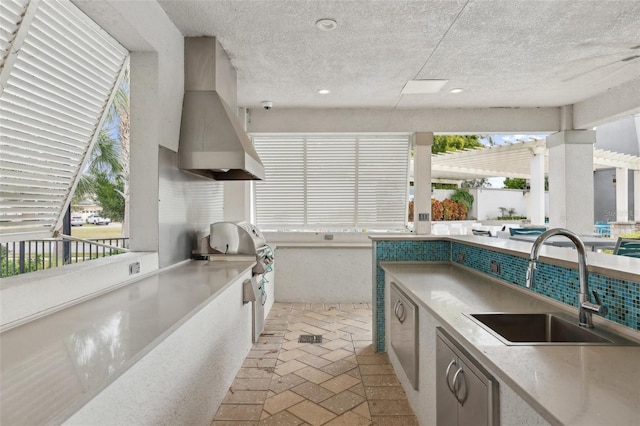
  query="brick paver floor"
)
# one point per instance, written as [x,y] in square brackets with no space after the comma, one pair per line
[340,381]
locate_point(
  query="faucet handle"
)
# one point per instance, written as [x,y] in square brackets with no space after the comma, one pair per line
[596,296]
[598,307]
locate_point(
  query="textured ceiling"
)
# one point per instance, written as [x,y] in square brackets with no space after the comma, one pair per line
[504,53]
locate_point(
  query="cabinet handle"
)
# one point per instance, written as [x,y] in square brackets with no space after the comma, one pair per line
[446,376]
[396,310]
[459,373]
[401,314]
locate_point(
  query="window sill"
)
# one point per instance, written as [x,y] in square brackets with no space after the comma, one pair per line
[322,244]
[328,239]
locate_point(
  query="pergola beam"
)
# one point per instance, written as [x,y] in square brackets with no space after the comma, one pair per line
[514,161]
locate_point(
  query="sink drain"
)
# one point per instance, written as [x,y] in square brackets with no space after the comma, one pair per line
[310,338]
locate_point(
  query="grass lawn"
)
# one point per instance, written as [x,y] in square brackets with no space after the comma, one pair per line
[89,231]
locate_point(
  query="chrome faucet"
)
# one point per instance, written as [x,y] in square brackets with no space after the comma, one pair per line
[585,306]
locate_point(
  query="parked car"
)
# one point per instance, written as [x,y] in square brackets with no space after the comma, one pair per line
[76,221]
[95,219]
[107,220]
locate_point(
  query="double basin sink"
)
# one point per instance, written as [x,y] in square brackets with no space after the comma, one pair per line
[530,329]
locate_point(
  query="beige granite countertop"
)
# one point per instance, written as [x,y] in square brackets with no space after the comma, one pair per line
[569,385]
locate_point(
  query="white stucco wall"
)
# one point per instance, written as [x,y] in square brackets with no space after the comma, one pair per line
[29,296]
[441,194]
[486,201]
[489,200]
[323,274]
[183,380]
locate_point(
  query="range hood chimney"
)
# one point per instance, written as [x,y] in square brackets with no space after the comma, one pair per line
[213,143]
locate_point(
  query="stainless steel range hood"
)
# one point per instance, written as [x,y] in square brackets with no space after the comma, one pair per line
[213,143]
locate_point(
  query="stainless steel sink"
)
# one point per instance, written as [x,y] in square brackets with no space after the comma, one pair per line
[544,329]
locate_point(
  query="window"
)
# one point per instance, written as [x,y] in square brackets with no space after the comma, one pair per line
[59,70]
[329,182]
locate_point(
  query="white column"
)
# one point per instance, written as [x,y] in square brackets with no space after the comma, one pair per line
[536,196]
[422,183]
[146,123]
[622,194]
[636,195]
[571,180]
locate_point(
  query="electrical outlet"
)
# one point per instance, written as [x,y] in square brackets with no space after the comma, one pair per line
[134,268]
[460,257]
[328,237]
[423,217]
[495,267]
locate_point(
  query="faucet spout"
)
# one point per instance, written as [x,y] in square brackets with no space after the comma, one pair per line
[585,306]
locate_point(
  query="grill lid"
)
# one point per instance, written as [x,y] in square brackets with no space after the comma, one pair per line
[236,238]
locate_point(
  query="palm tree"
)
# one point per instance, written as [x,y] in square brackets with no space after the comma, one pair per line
[119,119]
[104,159]
[110,154]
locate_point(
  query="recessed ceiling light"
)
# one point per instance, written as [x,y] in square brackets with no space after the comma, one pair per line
[414,87]
[326,24]
[456,90]
[324,91]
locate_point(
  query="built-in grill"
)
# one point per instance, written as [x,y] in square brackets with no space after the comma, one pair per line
[237,241]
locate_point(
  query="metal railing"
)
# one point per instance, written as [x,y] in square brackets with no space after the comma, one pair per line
[20,257]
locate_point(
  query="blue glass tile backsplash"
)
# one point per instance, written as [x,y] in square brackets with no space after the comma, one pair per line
[406,251]
[620,296]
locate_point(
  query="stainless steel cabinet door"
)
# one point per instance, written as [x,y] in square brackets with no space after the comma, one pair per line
[466,393]
[404,328]
[474,398]
[446,403]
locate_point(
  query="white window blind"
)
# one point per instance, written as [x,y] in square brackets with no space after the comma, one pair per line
[11,14]
[383,181]
[282,201]
[51,109]
[336,181]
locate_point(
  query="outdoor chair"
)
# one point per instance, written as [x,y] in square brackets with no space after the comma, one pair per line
[481,232]
[526,231]
[627,247]
[602,229]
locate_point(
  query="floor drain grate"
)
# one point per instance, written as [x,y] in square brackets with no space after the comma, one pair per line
[310,338]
